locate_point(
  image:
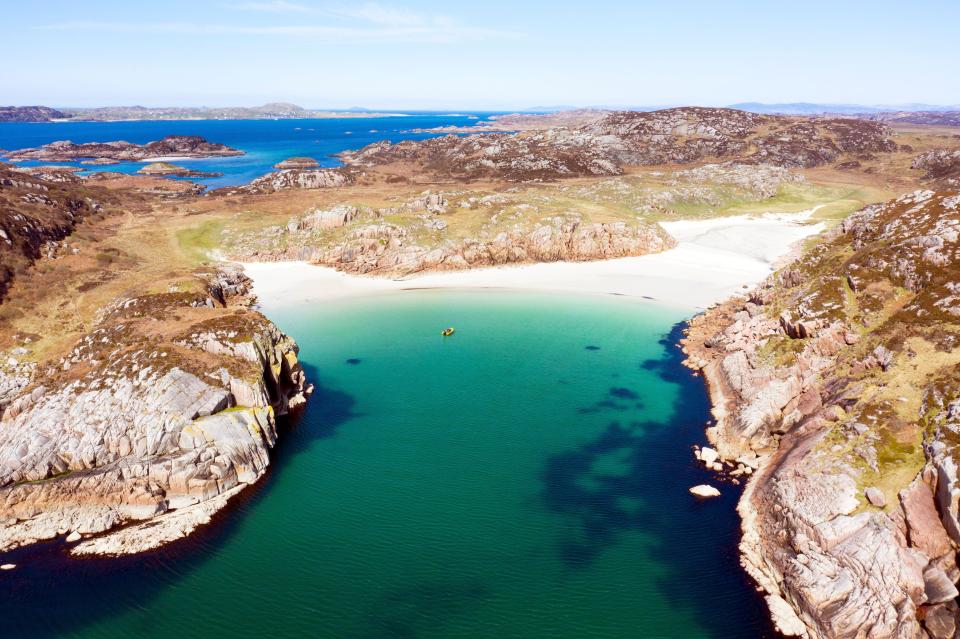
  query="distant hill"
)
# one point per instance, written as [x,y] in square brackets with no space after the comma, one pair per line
[30,114]
[813,108]
[934,118]
[271,111]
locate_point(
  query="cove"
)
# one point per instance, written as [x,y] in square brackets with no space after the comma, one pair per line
[525,477]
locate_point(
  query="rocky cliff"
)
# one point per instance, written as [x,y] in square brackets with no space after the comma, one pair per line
[157,417]
[191,146]
[838,378]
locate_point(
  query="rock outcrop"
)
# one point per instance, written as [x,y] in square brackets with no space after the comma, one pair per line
[606,144]
[144,430]
[840,373]
[190,146]
[36,212]
[940,165]
[298,179]
[372,245]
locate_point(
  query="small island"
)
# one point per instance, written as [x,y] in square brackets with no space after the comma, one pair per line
[297,163]
[179,146]
[168,169]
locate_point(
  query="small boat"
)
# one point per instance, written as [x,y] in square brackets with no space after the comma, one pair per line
[447,331]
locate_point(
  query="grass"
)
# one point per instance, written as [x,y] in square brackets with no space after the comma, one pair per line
[197,242]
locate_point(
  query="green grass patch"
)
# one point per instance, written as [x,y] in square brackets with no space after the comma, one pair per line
[198,242]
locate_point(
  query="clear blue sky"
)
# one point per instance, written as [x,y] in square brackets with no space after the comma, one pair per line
[489,54]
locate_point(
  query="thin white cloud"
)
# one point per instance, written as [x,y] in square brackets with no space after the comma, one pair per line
[385,15]
[369,12]
[276,6]
[440,34]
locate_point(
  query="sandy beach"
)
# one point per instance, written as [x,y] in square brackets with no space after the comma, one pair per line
[714,259]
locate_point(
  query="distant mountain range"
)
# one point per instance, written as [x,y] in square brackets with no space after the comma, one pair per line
[288,111]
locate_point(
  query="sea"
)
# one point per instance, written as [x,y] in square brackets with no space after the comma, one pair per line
[264,142]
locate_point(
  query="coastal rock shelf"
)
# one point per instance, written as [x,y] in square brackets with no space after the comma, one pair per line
[839,372]
[146,432]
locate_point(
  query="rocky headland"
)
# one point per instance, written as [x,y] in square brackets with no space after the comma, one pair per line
[187,146]
[126,423]
[30,114]
[837,379]
[146,428]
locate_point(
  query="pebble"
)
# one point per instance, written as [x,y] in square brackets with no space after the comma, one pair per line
[875,496]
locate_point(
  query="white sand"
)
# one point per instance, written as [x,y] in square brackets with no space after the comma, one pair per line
[714,259]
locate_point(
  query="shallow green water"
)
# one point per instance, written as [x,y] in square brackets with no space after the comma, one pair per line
[526,477]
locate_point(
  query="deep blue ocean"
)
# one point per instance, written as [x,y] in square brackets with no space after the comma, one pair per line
[265,142]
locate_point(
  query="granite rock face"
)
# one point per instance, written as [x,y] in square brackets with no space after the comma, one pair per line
[143,437]
[840,373]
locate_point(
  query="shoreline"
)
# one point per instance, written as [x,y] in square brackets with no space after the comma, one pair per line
[714,259]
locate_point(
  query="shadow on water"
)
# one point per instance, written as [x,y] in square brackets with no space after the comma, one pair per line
[646,492]
[50,593]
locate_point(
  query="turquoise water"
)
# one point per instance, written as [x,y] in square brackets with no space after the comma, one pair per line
[526,477]
[265,142]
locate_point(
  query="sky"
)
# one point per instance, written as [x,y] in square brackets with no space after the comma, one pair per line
[494,54]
